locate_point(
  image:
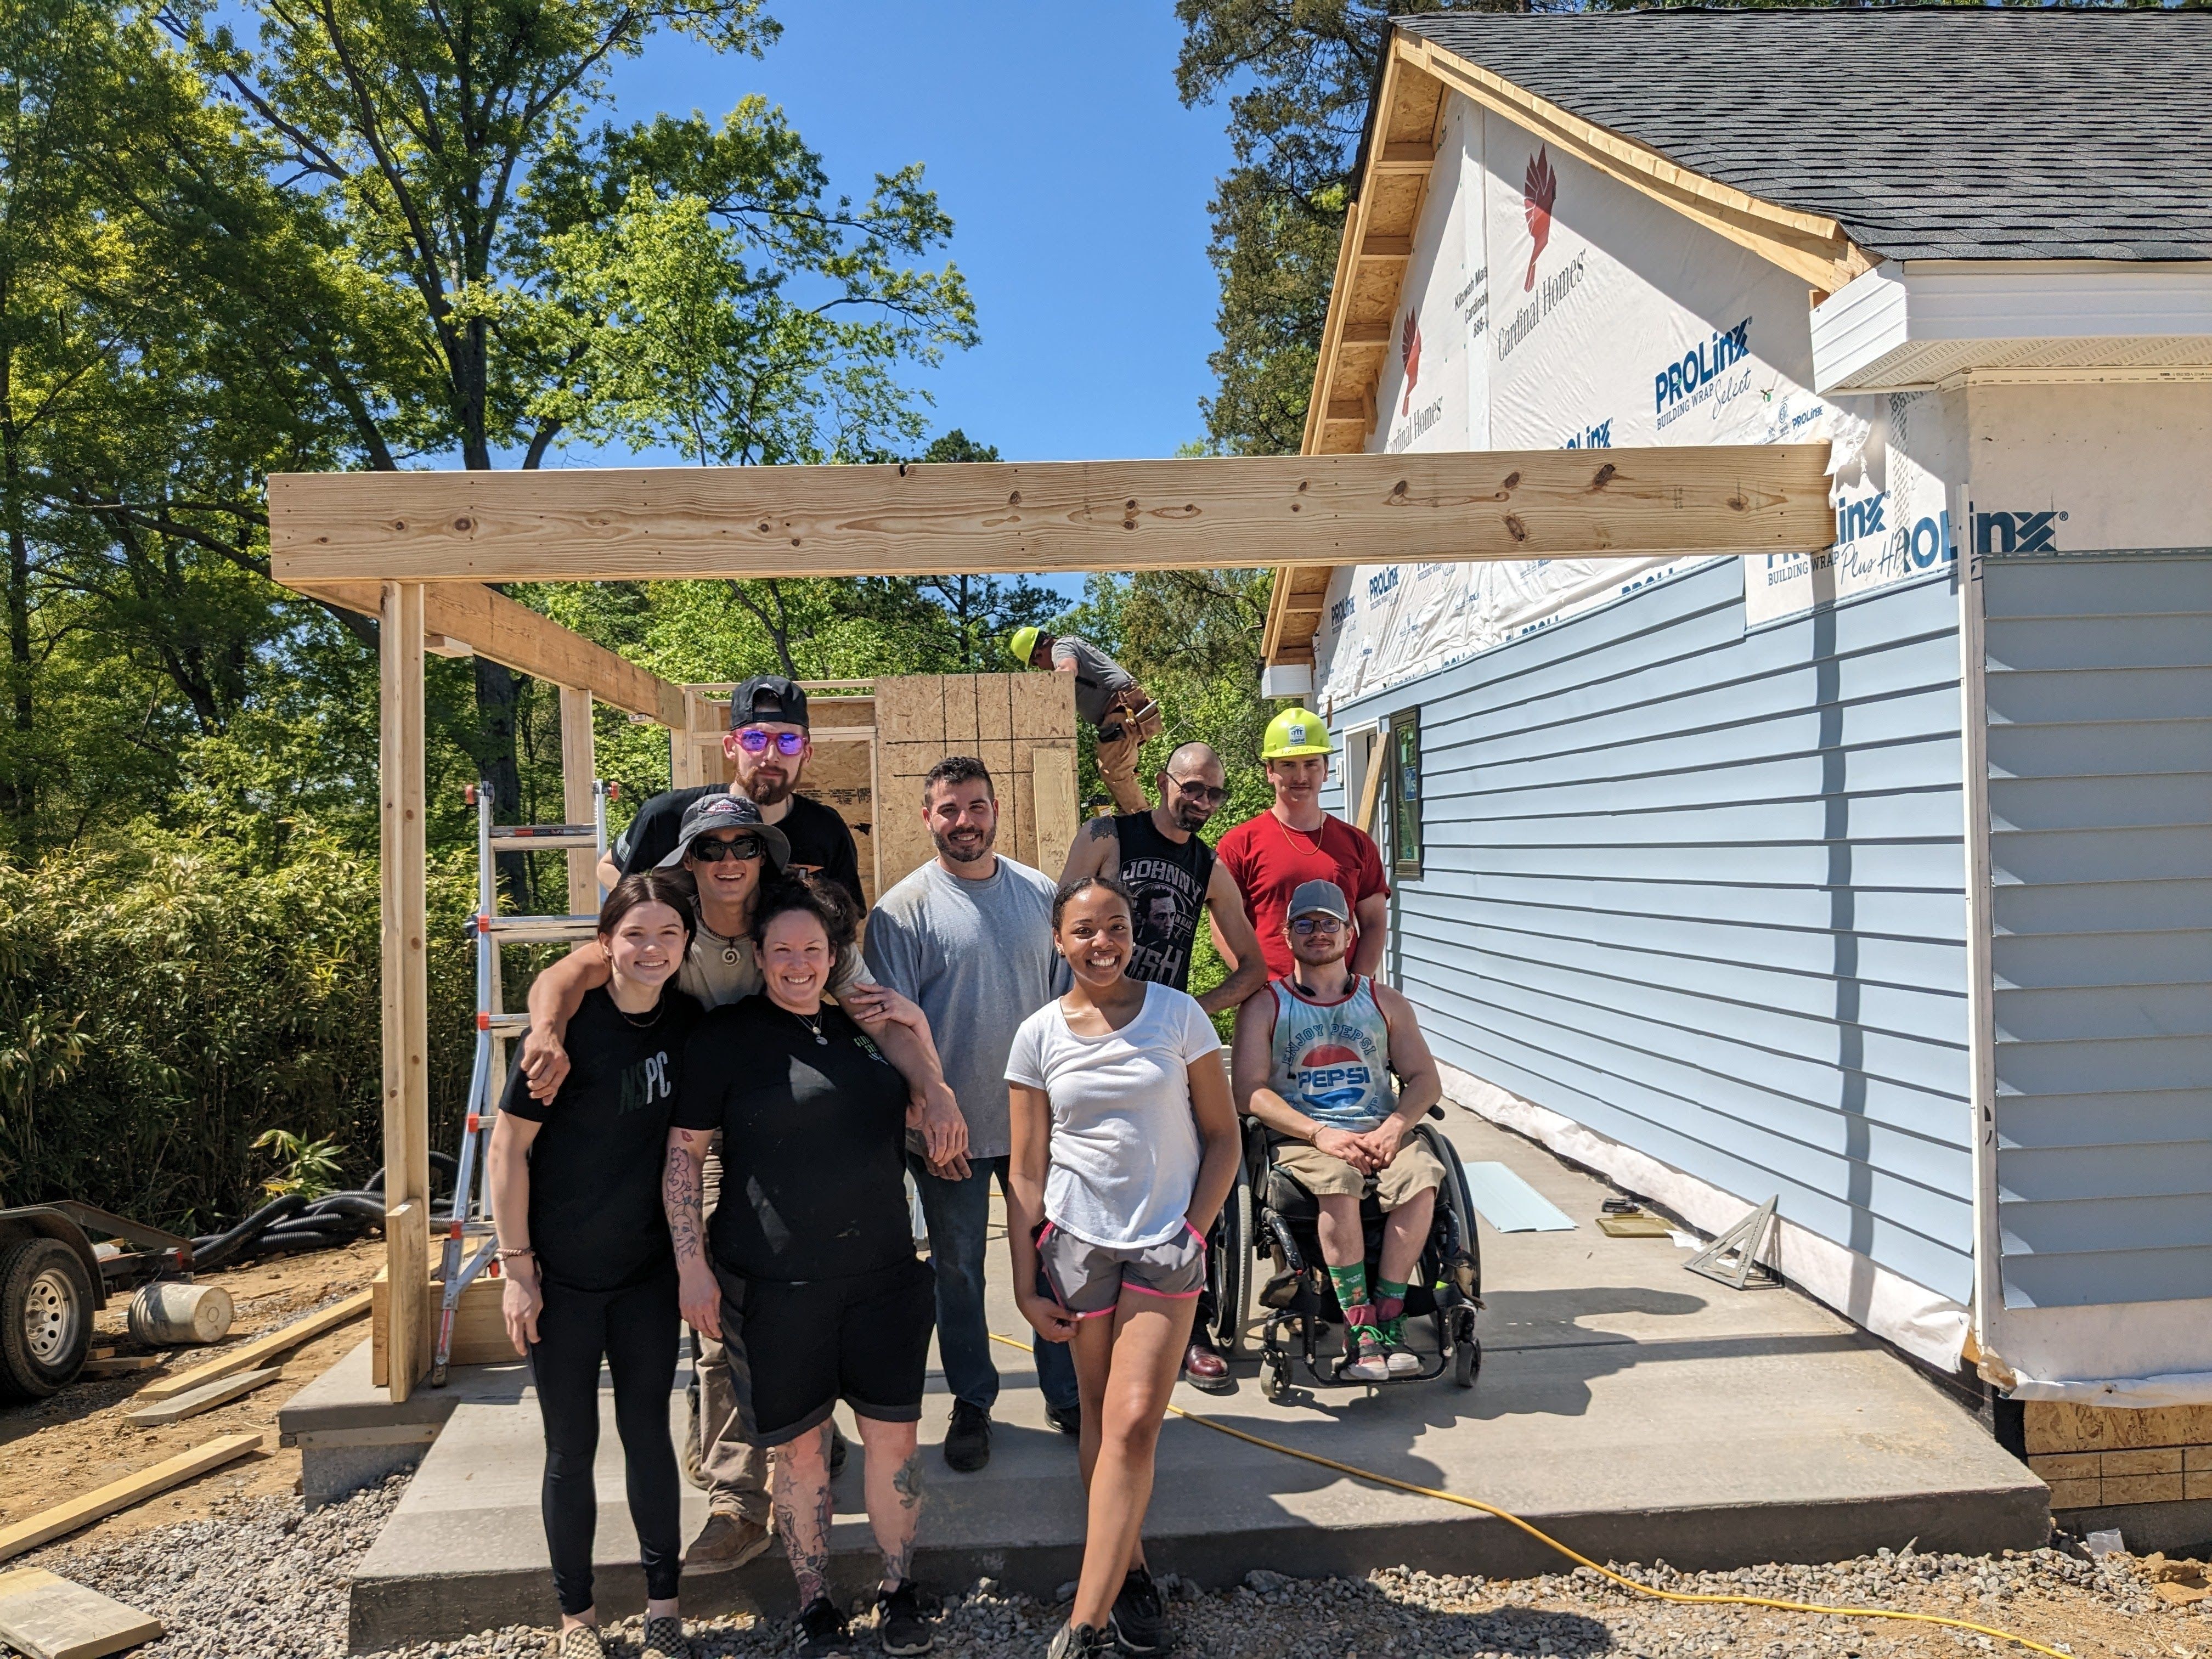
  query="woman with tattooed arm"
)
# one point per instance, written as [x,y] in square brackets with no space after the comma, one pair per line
[809,1277]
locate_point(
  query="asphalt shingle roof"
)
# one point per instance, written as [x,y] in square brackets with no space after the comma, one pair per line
[1964,132]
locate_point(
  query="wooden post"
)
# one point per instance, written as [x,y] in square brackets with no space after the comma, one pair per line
[406,986]
[576,775]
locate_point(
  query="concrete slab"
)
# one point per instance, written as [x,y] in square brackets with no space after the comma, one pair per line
[350,1435]
[1631,1408]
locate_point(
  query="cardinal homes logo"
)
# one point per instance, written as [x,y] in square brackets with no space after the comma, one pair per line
[1409,354]
[1539,190]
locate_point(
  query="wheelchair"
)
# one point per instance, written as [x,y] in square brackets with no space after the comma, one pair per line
[1271,1219]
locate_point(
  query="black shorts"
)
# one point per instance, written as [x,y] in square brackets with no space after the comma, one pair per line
[797,1347]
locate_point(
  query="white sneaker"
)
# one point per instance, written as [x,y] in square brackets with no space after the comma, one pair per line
[1403,1361]
[1368,1362]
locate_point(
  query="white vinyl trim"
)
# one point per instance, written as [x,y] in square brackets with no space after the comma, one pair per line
[1981,1028]
[1928,1326]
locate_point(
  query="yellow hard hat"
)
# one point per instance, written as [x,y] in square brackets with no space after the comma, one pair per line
[1293,732]
[1023,643]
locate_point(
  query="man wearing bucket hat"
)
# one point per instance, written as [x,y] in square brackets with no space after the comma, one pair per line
[768,745]
[1294,840]
[727,847]
[1107,697]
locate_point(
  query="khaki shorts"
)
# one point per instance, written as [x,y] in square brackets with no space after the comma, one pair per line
[1415,1169]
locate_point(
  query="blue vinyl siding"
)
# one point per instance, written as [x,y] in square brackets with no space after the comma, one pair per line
[2099,688]
[1702,891]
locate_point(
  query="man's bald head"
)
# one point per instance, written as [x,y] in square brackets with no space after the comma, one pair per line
[1191,785]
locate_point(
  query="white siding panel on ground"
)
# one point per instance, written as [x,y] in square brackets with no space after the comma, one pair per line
[2099,691]
[1701,892]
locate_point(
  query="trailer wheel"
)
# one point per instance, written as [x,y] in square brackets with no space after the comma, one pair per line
[45,1318]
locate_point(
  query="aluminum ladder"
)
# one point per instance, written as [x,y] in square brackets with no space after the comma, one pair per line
[495,1028]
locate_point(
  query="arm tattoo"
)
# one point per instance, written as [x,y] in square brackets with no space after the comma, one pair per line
[679,1197]
[1102,828]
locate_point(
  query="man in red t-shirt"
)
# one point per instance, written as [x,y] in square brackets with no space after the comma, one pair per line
[1294,841]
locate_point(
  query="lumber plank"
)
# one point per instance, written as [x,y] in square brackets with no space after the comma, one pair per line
[252,1356]
[119,1364]
[579,768]
[1058,812]
[496,627]
[1197,512]
[46,1616]
[83,1511]
[206,1397]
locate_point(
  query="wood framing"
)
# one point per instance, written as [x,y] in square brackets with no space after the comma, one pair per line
[492,625]
[578,772]
[463,528]
[406,982]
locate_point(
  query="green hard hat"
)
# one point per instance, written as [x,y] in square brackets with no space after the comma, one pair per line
[1023,644]
[1293,732]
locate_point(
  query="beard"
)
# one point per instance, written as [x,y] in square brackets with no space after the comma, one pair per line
[767,787]
[1190,820]
[966,851]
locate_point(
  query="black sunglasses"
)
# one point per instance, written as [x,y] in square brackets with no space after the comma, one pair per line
[1204,794]
[709,851]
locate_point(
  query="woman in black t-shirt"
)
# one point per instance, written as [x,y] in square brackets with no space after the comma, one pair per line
[575,1187]
[809,1278]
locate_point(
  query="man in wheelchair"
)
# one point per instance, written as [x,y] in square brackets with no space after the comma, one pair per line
[1313,1061]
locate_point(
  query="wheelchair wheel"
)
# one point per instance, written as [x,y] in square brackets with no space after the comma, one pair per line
[1467,1349]
[1274,1376]
[1228,1267]
[1467,1276]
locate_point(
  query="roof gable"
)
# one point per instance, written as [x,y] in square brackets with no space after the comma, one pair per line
[1945,132]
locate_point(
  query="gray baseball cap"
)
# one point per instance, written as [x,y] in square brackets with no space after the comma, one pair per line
[1319,898]
[712,812]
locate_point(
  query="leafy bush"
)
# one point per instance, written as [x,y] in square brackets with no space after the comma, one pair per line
[165,1004]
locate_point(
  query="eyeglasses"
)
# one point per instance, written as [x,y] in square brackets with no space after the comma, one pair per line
[1305,925]
[708,850]
[1204,794]
[754,741]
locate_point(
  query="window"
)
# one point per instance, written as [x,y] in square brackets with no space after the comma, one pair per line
[1404,760]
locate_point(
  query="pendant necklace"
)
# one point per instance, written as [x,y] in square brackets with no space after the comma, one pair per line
[813,1025]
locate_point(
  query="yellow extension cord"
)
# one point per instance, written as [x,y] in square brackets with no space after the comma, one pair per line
[1581,1559]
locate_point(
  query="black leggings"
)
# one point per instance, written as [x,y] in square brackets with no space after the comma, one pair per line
[636,1329]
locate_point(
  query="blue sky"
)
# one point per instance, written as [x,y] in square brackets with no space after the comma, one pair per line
[1076,182]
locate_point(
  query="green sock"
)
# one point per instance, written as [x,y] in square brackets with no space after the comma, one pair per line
[1390,1294]
[1350,1284]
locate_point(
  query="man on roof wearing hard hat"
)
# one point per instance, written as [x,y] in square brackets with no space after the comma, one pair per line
[1108,696]
[1294,841]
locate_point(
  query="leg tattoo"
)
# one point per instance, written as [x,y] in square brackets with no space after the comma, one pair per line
[907,1483]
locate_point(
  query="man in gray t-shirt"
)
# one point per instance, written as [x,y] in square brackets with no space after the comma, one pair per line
[968,936]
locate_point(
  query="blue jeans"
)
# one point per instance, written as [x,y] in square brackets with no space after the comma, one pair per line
[959,1217]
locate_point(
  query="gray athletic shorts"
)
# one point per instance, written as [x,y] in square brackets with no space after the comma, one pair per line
[1088,1279]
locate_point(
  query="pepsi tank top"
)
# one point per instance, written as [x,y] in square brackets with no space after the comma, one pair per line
[1332,1060]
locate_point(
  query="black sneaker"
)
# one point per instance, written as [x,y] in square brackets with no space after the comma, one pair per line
[904,1630]
[968,1437]
[822,1633]
[1068,1420]
[1074,1641]
[1140,1618]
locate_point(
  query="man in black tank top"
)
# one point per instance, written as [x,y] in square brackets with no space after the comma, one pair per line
[1173,875]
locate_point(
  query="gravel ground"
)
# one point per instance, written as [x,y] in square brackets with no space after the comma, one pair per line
[261,1580]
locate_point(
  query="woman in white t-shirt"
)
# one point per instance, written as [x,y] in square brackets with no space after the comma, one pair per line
[1125,1145]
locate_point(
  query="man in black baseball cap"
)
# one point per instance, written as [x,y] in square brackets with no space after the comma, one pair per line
[768,744]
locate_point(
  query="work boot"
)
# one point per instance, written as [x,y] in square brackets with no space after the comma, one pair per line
[725,1543]
[1204,1367]
[968,1437]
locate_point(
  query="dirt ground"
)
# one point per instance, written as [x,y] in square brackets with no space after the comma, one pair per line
[51,1450]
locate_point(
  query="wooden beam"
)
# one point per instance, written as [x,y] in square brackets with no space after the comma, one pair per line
[1204,513]
[1403,157]
[1376,247]
[52,1523]
[1372,333]
[264,1347]
[1811,245]
[406,986]
[492,625]
[578,769]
